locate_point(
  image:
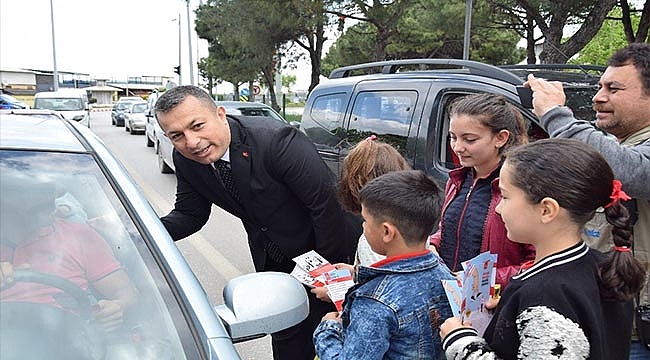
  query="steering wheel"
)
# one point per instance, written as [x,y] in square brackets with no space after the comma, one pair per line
[39,331]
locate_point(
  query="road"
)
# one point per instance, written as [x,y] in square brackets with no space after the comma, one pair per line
[217,253]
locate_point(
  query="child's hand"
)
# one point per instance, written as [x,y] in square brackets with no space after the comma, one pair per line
[345,266]
[452,324]
[321,293]
[332,316]
[492,303]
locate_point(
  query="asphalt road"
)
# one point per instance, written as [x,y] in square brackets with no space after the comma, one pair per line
[217,253]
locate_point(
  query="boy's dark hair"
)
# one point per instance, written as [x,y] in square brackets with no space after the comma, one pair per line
[580,180]
[637,54]
[408,199]
[176,95]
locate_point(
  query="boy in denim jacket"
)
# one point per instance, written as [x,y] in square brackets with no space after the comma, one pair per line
[395,309]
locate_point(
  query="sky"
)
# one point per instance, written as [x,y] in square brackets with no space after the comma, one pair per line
[107,39]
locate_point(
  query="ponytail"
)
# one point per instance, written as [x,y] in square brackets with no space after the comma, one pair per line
[621,275]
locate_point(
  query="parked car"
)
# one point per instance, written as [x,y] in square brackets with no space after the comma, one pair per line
[164,147]
[134,118]
[70,103]
[406,103]
[9,102]
[117,113]
[61,170]
[151,128]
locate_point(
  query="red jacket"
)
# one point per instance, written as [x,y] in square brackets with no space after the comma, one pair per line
[510,254]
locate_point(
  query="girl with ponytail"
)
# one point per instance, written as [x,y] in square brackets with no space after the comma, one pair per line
[571,302]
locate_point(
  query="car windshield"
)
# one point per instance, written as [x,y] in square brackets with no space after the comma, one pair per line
[255,111]
[139,108]
[76,252]
[59,104]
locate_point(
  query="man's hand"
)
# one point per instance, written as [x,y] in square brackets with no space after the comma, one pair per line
[546,94]
[6,273]
[109,315]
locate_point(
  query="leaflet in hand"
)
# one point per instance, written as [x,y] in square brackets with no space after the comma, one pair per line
[314,270]
[468,294]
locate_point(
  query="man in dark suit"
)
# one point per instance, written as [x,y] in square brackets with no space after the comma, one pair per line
[281,190]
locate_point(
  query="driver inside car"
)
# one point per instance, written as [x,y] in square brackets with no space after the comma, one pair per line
[34,239]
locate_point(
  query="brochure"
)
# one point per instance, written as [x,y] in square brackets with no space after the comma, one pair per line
[314,270]
[472,288]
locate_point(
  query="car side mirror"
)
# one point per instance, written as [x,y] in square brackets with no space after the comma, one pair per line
[259,304]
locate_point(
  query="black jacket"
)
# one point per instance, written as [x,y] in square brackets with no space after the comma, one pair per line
[287,194]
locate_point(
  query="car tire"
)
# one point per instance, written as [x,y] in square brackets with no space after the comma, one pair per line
[149,142]
[113,121]
[162,165]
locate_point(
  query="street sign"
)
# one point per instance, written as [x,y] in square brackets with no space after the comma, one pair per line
[244,92]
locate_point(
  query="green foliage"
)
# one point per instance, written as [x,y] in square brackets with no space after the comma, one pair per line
[430,29]
[609,38]
[288,81]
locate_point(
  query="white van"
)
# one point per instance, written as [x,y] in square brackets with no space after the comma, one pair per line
[70,103]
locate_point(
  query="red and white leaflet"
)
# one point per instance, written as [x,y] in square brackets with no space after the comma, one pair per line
[313,263]
[337,282]
[307,279]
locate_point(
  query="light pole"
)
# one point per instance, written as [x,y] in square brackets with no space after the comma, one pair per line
[468,25]
[180,81]
[55,73]
[189,42]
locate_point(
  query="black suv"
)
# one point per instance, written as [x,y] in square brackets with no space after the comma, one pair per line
[406,103]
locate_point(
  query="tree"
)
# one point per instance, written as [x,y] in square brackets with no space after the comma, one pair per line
[288,81]
[642,26]
[429,29]
[382,14]
[552,18]
[244,37]
[612,36]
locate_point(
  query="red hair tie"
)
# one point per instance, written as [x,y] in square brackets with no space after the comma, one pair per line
[622,248]
[617,194]
[371,137]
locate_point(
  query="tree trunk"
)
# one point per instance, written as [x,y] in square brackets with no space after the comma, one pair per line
[554,51]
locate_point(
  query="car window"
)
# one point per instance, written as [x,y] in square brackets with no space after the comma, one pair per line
[61,216]
[446,158]
[59,104]
[387,114]
[255,111]
[328,111]
[139,108]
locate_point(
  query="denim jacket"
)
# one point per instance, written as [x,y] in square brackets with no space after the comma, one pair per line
[394,312]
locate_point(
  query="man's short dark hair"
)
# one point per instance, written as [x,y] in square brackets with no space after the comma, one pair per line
[408,199]
[176,95]
[637,54]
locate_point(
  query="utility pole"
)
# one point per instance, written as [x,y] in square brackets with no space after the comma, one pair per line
[180,79]
[55,73]
[468,26]
[189,42]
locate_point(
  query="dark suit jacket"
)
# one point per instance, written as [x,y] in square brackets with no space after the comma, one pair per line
[287,194]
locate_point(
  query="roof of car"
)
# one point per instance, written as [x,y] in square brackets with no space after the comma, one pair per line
[241,104]
[37,130]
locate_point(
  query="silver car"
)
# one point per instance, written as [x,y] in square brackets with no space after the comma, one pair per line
[89,271]
[135,118]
